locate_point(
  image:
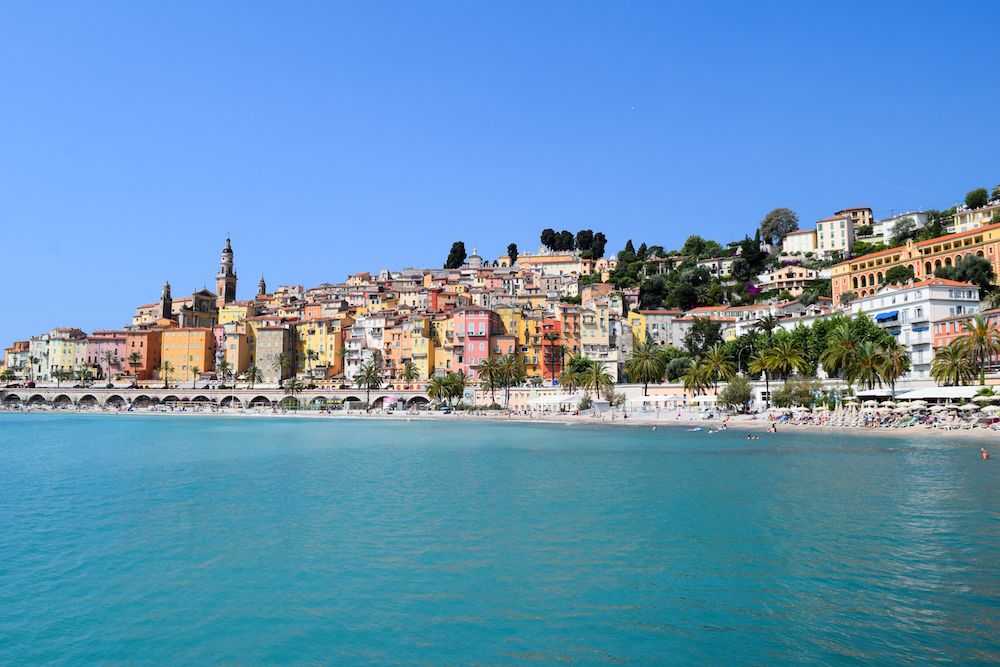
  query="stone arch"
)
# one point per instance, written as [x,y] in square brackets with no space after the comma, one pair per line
[11,400]
[880,278]
[114,401]
[937,263]
[980,254]
[318,402]
[88,401]
[231,402]
[290,403]
[62,401]
[947,261]
[171,399]
[928,269]
[204,400]
[352,399]
[855,282]
[37,399]
[418,402]
[143,401]
[260,402]
[864,281]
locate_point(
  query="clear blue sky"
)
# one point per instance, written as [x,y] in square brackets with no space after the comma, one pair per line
[332,137]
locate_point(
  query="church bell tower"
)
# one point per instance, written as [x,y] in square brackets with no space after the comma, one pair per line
[225,282]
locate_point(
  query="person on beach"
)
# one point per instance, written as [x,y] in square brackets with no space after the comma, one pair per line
[773,428]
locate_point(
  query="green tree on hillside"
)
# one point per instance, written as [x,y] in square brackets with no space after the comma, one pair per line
[977,198]
[777,223]
[456,258]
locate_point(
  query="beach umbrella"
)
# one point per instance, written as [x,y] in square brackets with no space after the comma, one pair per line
[968,407]
[888,404]
[982,399]
[992,409]
[870,404]
[938,408]
[820,408]
[918,404]
[901,409]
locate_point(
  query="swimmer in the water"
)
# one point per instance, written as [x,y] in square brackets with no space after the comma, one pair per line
[985,454]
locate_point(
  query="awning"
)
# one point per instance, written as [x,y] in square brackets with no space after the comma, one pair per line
[939,393]
[920,328]
[891,315]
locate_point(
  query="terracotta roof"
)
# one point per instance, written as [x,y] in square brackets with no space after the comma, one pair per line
[977,230]
[835,217]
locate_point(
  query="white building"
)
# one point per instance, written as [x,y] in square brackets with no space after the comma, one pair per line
[835,235]
[883,229]
[966,218]
[909,311]
[791,278]
[719,267]
[802,241]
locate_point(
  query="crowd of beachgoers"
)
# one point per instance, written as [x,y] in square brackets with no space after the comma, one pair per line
[917,415]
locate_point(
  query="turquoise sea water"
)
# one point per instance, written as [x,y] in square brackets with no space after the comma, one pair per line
[237,540]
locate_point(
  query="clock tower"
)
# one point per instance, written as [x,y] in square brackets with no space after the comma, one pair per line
[225,282]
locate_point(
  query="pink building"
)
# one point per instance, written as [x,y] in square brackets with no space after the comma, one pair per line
[101,342]
[474,329]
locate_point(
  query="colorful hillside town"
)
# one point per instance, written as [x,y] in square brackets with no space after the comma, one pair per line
[857,303]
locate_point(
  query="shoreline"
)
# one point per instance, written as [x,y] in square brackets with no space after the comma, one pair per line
[742,423]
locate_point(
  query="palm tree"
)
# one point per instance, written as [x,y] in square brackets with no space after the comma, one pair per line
[85,375]
[455,383]
[223,369]
[489,376]
[109,356]
[697,378]
[281,363]
[293,388]
[437,388]
[841,346]
[866,368]
[254,375]
[166,368]
[7,375]
[596,379]
[31,368]
[410,372]
[551,338]
[760,363]
[58,375]
[311,356]
[767,325]
[511,375]
[370,377]
[787,357]
[134,359]
[718,365]
[569,379]
[194,375]
[895,362]
[645,365]
[981,341]
[952,366]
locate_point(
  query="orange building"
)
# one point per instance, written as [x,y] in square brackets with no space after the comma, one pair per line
[950,328]
[186,349]
[864,275]
[146,343]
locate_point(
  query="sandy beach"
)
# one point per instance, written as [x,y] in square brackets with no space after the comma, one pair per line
[753,423]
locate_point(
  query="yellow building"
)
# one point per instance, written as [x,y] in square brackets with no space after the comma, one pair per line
[237,350]
[187,349]
[324,338]
[637,322]
[422,347]
[236,312]
[443,339]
